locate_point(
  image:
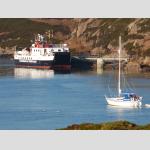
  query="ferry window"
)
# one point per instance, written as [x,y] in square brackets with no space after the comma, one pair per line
[59,50]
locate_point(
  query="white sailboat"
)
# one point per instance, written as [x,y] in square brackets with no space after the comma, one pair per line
[127,99]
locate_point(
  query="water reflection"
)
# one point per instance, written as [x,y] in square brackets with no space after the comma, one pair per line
[122,111]
[33,73]
[99,71]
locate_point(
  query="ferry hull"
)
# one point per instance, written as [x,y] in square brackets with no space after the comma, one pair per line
[37,65]
[62,67]
[61,62]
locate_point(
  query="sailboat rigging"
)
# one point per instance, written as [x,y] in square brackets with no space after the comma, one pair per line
[126,99]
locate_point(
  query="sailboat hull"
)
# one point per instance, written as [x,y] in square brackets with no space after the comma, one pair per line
[123,103]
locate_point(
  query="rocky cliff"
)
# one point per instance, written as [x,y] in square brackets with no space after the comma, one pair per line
[102,35]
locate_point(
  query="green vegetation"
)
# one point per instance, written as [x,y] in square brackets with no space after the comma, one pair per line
[145,26]
[111,29]
[20,32]
[116,125]
[135,36]
[133,49]
[147,52]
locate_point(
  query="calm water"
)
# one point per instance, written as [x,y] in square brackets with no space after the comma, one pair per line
[42,99]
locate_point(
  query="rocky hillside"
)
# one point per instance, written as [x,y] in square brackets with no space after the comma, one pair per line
[94,36]
[102,35]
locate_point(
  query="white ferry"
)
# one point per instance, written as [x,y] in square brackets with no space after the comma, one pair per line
[43,55]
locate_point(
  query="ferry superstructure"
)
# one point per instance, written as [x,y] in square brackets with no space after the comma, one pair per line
[43,55]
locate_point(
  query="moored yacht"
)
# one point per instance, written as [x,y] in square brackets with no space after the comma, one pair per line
[123,99]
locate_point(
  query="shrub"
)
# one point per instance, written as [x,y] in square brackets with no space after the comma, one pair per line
[146,53]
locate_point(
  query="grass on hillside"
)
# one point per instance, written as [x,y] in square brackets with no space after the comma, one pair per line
[20,32]
[116,125]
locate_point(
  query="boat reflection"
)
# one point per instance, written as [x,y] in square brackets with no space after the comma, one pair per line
[122,111]
[33,73]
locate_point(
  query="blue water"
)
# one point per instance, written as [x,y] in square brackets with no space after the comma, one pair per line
[36,99]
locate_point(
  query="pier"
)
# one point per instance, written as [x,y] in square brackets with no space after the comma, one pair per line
[100,61]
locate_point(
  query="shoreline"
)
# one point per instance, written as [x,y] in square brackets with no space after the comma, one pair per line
[114,125]
[131,66]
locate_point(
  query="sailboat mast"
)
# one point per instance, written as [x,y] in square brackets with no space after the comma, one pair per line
[119,52]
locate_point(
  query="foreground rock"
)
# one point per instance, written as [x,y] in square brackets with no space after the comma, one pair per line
[116,125]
